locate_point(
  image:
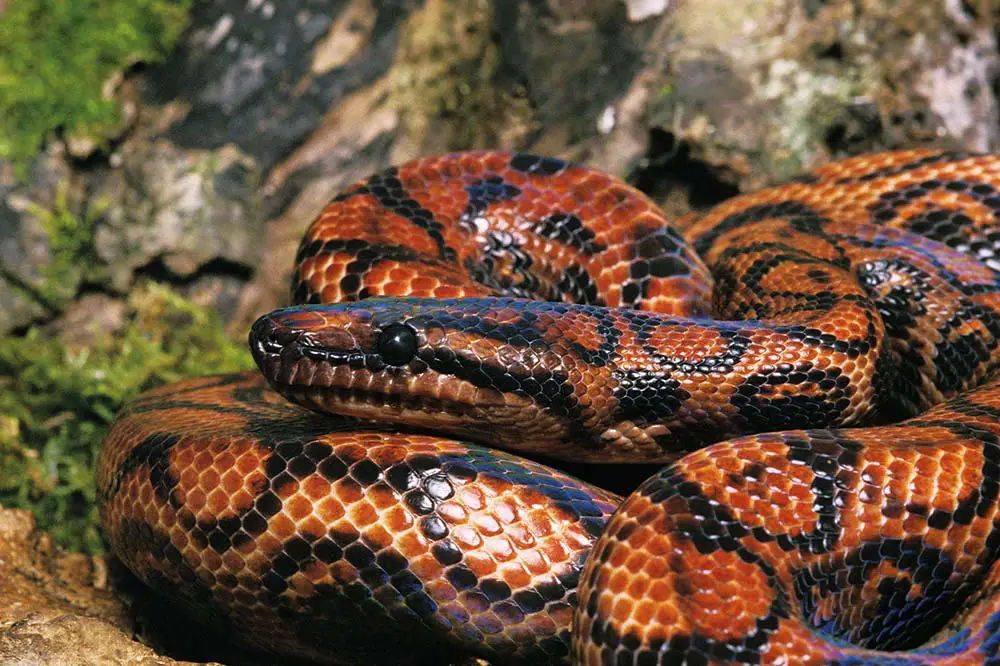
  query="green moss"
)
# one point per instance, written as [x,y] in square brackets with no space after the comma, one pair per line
[56,55]
[71,248]
[56,402]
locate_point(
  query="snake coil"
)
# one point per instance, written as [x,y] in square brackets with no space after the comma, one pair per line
[332,507]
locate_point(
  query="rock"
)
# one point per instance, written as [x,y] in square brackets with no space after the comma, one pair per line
[32,284]
[640,10]
[772,97]
[17,309]
[90,319]
[181,208]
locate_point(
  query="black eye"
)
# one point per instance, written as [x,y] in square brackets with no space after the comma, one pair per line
[397,344]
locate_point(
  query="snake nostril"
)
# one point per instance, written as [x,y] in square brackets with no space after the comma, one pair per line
[267,336]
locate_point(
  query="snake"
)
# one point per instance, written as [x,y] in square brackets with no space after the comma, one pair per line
[812,368]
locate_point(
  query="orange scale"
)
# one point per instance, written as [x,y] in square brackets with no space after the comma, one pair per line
[637,587]
[542,625]
[971,477]
[182,456]
[328,293]
[561,612]
[893,529]
[298,507]
[952,483]
[872,514]
[622,609]
[211,561]
[520,537]
[330,509]
[466,537]
[301,585]
[168,519]
[958,535]
[535,562]
[218,502]
[188,478]
[936,539]
[397,519]
[480,563]
[980,529]
[247,464]
[382,497]
[426,567]
[195,500]
[661,592]
[515,576]
[396,289]
[636,562]
[802,477]
[411,545]
[315,487]
[281,526]
[921,486]
[645,610]
[449,291]
[540,523]
[232,481]
[348,490]
[500,549]
[795,514]
[486,524]
[441,591]
[926,466]
[312,528]
[144,494]
[344,572]
[506,511]
[363,513]
[739,501]
[286,490]
[225,460]
[555,552]
[377,537]
[179,540]
[915,524]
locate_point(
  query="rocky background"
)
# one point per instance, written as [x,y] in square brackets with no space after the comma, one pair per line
[264,110]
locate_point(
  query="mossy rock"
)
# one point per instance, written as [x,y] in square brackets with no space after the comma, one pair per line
[47,86]
[56,401]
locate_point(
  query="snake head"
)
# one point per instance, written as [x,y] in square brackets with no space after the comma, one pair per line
[496,370]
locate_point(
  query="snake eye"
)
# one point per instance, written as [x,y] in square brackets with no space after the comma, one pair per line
[396,344]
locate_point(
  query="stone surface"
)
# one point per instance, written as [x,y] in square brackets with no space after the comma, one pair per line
[27,290]
[774,87]
[183,208]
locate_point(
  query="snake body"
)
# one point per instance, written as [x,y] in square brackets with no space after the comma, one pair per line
[849,515]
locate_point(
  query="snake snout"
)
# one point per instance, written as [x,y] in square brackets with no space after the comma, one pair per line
[288,344]
[268,336]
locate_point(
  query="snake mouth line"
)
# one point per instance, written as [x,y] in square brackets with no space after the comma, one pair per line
[352,402]
[339,382]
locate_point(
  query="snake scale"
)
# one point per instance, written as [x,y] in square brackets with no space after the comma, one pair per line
[835,336]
